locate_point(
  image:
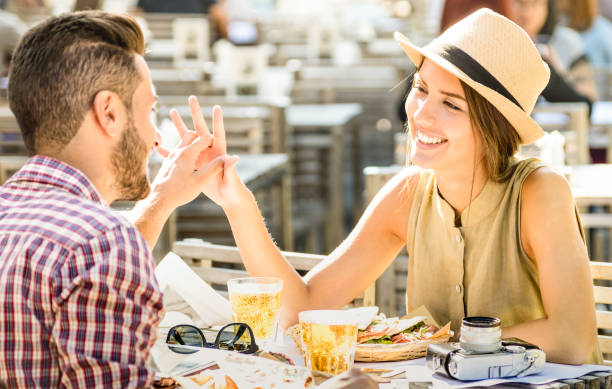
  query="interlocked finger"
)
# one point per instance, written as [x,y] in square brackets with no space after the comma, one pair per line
[181,128]
[219,130]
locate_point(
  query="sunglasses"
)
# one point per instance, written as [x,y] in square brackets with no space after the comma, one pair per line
[233,337]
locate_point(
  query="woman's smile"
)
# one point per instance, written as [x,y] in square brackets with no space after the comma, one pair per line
[426,141]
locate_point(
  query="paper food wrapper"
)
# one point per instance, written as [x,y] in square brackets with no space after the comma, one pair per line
[248,372]
[178,282]
[422,311]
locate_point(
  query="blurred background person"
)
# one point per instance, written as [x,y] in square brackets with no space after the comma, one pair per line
[561,47]
[214,8]
[605,7]
[595,30]
[455,10]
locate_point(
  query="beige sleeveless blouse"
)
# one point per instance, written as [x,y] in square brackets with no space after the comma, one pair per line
[479,269]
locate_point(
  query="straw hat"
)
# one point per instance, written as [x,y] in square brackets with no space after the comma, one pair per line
[496,58]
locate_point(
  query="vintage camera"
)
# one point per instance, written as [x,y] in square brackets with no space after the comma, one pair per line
[482,354]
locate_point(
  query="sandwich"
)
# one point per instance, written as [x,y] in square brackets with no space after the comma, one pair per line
[392,330]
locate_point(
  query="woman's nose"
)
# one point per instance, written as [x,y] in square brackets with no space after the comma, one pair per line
[424,115]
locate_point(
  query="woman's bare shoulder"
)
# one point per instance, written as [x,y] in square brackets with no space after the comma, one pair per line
[545,185]
[391,206]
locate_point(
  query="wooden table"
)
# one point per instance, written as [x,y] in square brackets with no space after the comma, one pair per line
[336,121]
[415,375]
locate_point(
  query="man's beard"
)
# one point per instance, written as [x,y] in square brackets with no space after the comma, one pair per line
[131,182]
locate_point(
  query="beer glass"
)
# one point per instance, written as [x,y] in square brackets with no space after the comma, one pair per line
[329,338]
[256,301]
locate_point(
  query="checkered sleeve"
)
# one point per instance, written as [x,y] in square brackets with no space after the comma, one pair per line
[107,315]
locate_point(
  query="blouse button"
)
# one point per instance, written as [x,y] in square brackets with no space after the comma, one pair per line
[458,237]
[458,288]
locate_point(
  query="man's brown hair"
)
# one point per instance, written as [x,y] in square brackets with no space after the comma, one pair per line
[61,64]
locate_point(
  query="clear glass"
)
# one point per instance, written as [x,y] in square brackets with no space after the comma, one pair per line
[329,338]
[256,301]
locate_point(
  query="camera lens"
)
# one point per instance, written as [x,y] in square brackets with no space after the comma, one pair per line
[480,334]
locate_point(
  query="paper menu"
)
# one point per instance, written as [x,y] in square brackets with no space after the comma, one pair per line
[174,275]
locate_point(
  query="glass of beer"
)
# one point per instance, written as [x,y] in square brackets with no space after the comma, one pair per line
[329,338]
[256,301]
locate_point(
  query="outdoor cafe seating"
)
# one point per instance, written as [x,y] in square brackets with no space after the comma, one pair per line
[311,109]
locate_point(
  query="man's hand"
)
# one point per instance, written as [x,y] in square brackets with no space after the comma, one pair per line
[195,161]
[194,165]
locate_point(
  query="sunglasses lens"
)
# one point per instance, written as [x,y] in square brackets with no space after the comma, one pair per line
[185,336]
[236,337]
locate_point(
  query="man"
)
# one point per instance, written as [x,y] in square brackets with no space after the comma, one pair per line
[79,301]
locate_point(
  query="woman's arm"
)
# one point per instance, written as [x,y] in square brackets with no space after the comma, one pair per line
[551,237]
[349,269]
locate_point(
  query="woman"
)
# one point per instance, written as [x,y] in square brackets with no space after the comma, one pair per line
[562,49]
[486,235]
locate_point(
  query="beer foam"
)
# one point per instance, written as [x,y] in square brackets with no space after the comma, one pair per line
[328,316]
[253,288]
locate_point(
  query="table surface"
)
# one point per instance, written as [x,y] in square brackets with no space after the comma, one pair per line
[600,117]
[253,167]
[322,115]
[411,371]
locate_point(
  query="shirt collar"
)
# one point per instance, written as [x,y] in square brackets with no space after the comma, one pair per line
[481,206]
[45,170]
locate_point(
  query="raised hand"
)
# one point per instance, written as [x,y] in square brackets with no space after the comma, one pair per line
[217,144]
[198,158]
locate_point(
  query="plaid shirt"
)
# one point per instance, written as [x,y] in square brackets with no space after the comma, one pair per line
[79,302]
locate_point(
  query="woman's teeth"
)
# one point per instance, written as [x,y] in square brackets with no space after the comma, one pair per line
[430,140]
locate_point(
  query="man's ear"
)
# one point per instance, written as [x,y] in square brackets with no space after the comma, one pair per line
[108,112]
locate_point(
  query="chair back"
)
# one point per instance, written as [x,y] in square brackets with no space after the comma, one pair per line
[572,120]
[244,127]
[216,264]
[239,67]
[602,277]
[191,42]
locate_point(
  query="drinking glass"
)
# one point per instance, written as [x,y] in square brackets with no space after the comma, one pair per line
[256,301]
[329,338]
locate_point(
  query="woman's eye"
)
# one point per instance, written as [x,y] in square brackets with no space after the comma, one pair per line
[452,106]
[420,88]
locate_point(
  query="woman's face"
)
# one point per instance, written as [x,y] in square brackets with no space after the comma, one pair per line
[529,14]
[440,129]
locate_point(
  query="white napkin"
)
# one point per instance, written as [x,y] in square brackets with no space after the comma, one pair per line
[174,274]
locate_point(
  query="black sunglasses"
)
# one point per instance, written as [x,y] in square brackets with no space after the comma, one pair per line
[234,337]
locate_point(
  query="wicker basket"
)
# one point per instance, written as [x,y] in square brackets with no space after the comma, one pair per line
[395,352]
[385,352]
